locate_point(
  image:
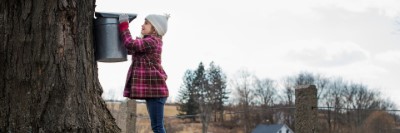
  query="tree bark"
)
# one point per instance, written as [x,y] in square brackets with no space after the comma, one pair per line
[48,74]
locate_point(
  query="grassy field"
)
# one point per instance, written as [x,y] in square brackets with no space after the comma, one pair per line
[143,123]
[172,124]
[169,110]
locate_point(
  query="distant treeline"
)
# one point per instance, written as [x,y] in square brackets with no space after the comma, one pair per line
[247,100]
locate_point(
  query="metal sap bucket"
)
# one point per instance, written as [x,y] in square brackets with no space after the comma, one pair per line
[108,45]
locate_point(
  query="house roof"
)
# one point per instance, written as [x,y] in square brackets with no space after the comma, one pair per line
[261,128]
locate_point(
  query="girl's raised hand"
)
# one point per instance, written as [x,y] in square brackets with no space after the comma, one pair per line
[123,18]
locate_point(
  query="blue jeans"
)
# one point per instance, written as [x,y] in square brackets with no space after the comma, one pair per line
[155,108]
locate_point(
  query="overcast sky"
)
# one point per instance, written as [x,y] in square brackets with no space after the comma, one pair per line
[358,40]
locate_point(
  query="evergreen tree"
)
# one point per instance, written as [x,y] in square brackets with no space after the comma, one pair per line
[203,92]
[187,103]
[217,83]
[204,95]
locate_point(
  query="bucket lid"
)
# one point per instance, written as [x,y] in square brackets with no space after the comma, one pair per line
[131,16]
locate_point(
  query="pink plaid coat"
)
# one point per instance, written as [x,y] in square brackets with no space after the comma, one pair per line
[146,77]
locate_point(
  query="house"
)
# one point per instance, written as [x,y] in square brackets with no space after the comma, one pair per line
[274,128]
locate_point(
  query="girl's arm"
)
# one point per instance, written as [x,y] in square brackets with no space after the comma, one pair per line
[124,25]
[125,35]
[137,45]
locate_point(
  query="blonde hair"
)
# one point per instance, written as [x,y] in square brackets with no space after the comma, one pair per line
[154,31]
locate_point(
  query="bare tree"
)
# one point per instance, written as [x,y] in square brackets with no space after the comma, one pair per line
[242,83]
[321,82]
[333,98]
[359,98]
[288,101]
[48,74]
[304,78]
[360,101]
[265,93]
[288,84]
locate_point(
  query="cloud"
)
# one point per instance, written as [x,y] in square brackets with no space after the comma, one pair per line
[389,8]
[391,56]
[321,54]
[349,38]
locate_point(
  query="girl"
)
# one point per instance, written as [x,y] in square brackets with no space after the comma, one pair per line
[146,77]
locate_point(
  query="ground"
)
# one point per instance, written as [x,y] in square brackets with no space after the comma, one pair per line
[172,124]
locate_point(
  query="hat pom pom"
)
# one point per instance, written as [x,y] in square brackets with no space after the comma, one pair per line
[167,16]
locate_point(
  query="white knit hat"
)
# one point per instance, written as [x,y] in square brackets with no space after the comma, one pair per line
[160,23]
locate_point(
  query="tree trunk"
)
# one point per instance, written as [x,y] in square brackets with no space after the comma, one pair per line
[48,74]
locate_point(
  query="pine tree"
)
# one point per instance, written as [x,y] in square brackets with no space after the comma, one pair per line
[217,83]
[203,92]
[187,103]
